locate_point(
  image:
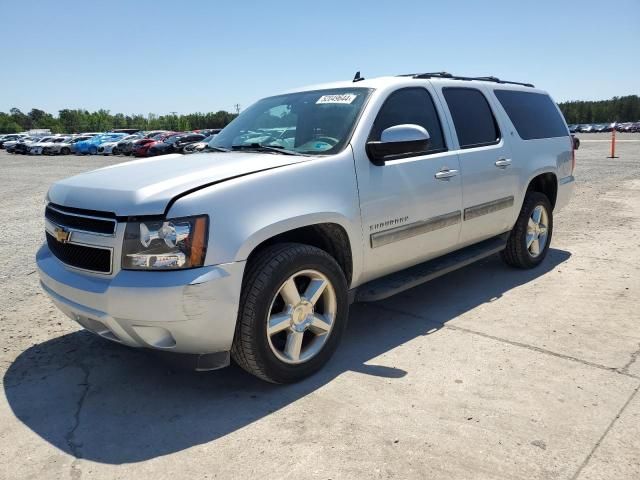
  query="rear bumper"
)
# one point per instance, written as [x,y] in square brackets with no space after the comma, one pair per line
[566,186]
[189,311]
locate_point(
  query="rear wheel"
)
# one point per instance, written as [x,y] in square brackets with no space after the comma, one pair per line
[293,312]
[93,150]
[531,236]
[65,151]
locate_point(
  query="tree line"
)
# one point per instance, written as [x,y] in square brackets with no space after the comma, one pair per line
[77,121]
[618,109]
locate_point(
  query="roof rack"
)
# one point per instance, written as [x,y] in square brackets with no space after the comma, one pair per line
[455,77]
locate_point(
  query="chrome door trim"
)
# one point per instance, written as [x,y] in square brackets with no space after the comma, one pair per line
[488,207]
[396,234]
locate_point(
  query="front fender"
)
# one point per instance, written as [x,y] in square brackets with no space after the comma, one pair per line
[248,210]
[288,224]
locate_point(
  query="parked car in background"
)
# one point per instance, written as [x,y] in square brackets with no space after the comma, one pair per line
[10,145]
[602,128]
[23,147]
[200,146]
[112,148]
[12,137]
[124,146]
[91,146]
[141,147]
[208,131]
[174,143]
[64,148]
[37,148]
[628,127]
[128,131]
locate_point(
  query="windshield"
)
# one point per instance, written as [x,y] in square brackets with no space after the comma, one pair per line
[313,123]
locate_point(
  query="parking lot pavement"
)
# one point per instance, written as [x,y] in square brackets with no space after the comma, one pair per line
[488,372]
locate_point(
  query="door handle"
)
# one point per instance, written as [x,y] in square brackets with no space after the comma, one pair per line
[503,162]
[446,174]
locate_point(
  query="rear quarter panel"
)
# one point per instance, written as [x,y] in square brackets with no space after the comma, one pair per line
[531,158]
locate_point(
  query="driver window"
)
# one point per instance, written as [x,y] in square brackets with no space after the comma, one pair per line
[410,105]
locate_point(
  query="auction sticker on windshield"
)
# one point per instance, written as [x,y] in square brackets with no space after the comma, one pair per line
[340,98]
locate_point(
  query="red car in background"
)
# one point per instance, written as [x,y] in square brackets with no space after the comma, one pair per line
[141,147]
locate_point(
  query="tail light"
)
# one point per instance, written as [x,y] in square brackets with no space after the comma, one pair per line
[573,153]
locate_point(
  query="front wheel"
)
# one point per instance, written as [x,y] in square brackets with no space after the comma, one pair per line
[293,312]
[65,151]
[530,238]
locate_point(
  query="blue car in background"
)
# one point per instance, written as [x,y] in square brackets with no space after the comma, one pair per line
[91,145]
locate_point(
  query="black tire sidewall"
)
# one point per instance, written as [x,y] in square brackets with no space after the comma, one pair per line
[275,369]
[534,200]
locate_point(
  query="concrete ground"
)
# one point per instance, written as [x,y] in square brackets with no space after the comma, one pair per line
[488,372]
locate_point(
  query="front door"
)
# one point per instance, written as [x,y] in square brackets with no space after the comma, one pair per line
[411,207]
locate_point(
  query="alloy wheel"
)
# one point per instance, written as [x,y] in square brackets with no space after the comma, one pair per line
[537,230]
[301,317]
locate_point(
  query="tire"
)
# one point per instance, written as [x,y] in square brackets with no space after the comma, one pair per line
[267,278]
[115,151]
[521,251]
[65,151]
[93,150]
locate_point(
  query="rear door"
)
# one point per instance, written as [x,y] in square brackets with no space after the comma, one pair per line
[489,181]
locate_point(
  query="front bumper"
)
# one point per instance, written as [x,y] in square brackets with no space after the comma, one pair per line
[184,311]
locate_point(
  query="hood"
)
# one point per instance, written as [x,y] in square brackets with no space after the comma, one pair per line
[145,187]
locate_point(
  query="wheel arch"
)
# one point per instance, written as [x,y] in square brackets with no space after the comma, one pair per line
[545,183]
[330,236]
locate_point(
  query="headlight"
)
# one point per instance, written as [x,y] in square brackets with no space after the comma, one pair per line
[165,245]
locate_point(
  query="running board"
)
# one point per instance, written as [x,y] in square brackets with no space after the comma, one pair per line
[397,282]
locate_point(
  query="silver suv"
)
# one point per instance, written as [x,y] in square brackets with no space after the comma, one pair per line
[311,200]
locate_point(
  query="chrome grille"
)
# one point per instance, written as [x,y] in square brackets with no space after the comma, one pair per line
[81,256]
[75,219]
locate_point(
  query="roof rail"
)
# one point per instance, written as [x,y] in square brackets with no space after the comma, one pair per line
[455,77]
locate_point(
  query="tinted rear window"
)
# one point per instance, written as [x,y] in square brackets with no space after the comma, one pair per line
[533,114]
[472,117]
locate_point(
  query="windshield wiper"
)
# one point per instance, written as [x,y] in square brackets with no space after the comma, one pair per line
[266,148]
[217,149]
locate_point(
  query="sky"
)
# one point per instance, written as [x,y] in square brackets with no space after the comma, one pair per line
[161,56]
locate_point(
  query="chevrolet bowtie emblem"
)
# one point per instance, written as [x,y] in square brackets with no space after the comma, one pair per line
[62,235]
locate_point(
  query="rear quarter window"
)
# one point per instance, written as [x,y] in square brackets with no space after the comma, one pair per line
[533,114]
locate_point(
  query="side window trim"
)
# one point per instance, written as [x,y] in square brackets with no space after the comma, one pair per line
[444,148]
[493,115]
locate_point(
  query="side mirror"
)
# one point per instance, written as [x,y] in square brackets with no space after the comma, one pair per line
[576,142]
[398,141]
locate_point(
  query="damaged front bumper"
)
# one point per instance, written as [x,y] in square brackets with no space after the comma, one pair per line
[183,311]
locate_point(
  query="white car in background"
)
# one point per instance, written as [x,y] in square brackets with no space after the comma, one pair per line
[65,147]
[111,148]
[11,143]
[37,148]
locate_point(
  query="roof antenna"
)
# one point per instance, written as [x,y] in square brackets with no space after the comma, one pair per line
[357,77]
